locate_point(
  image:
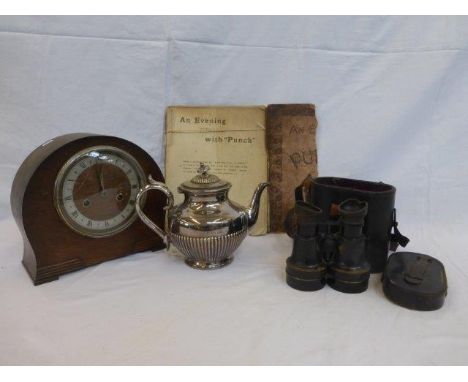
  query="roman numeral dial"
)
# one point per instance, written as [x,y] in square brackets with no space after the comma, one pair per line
[96,191]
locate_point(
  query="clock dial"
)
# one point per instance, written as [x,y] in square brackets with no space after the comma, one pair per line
[96,189]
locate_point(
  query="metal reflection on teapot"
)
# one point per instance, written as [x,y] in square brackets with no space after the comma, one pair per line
[207,227]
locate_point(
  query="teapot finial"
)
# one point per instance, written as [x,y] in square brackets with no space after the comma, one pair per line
[203,169]
[203,176]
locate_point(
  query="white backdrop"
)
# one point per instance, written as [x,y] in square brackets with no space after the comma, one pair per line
[391,96]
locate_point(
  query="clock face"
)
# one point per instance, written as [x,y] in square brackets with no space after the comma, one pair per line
[96,189]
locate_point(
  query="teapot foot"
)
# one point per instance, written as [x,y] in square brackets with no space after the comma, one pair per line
[197,264]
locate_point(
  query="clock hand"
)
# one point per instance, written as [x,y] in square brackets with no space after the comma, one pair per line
[98,176]
[101,180]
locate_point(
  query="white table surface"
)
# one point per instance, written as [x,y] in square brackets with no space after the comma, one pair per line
[151,308]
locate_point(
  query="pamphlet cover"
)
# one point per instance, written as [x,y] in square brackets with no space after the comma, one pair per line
[231,140]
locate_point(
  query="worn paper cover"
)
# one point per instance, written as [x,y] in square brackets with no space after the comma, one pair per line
[292,155]
[231,140]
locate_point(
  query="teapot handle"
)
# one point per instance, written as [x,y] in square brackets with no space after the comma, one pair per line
[154,185]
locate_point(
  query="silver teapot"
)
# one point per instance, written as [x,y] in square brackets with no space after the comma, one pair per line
[206,227]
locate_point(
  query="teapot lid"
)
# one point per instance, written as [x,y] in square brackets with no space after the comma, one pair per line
[204,182]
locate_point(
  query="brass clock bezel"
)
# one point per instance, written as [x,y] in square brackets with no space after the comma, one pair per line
[59,180]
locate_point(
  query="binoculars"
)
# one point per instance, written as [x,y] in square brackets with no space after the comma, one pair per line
[328,251]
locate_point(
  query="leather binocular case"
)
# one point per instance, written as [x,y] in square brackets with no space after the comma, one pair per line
[380,225]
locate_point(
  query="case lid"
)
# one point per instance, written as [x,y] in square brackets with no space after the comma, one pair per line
[415,281]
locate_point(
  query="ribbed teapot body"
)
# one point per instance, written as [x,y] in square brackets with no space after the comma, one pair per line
[207,229]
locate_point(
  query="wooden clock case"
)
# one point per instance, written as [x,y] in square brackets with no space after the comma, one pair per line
[51,248]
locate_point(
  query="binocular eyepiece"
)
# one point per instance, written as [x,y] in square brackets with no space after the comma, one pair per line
[337,258]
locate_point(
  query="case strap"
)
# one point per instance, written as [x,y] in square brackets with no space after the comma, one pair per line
[417,270]
[396,237]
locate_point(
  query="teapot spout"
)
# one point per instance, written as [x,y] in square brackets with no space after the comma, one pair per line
[254,206]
